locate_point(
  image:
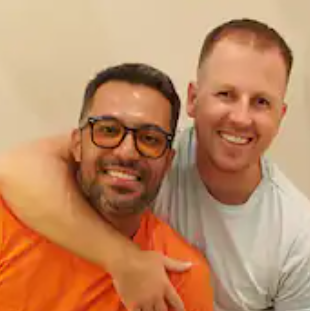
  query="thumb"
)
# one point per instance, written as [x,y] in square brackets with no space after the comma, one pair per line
[175,265]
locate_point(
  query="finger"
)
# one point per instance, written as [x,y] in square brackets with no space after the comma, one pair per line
[174,299]
[176,265]
[161,306]
[143,307]
[132,307]
[148,307]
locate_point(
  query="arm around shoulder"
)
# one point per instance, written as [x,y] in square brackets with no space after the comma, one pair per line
[37,180]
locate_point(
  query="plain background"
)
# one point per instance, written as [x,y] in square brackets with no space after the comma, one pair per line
[50,49]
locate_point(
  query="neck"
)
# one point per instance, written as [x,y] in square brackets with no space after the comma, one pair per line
[126,225]
[233,188]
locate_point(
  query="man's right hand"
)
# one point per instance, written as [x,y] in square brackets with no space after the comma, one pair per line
[143,284]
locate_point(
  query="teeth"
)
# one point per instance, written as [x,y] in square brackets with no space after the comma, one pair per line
[122,175]
[235,139]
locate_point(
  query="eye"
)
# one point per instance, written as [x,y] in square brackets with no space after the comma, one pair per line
[225,95]
[108,130]
[262,102]
[150,139]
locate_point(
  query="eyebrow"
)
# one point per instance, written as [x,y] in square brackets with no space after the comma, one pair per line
[139,124]
[151,125]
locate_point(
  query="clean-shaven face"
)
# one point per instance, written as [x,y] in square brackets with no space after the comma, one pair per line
[237,104]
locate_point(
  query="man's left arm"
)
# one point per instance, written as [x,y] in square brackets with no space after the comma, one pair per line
[294,287]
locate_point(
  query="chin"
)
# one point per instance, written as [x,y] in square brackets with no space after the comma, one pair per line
[231,166]
[125,208]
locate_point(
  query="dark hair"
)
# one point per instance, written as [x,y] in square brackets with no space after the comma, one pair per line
[135,73]
[255,31]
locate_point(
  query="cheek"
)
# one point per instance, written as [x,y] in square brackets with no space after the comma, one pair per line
[89,159]
[268,127]
[210,112]
[206,123]
[157,171]
[88,171]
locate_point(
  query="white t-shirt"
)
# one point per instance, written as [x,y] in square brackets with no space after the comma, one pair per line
[259,252]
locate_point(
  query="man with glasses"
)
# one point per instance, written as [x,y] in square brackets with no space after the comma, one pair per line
[122,150]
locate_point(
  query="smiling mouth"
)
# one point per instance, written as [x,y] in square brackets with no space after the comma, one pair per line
[235,139]
[122,175]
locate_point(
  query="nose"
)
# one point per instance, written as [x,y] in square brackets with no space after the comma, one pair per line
[240,114]
[127,149]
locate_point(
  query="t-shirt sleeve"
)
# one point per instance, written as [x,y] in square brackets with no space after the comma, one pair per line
[294,288]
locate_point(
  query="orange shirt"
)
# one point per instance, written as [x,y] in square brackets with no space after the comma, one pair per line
[37,275]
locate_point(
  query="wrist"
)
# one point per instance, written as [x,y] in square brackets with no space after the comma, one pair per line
[122,258]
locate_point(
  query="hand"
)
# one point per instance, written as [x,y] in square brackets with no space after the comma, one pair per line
[143,284]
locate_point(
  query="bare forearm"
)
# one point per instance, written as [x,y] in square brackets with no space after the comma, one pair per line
[41,191]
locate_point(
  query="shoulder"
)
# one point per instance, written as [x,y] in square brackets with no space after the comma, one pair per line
[181,181]
[184,145]
[194,285]
[161,237]
[292,209]
[182,173]
[15,235]
[285,194]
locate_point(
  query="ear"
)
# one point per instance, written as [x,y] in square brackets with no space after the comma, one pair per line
[76,150]
[284,110]
[169,160]
[191,99]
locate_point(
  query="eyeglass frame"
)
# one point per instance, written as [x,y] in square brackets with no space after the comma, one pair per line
[91,121]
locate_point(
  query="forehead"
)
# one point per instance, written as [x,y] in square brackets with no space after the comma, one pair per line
[242,65]
[132,103]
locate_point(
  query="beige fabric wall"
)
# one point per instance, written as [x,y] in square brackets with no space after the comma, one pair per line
[49,50]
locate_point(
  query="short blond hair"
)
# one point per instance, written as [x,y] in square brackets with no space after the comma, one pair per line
[248,31]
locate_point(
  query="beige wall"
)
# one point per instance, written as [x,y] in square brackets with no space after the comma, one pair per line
[49,49]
